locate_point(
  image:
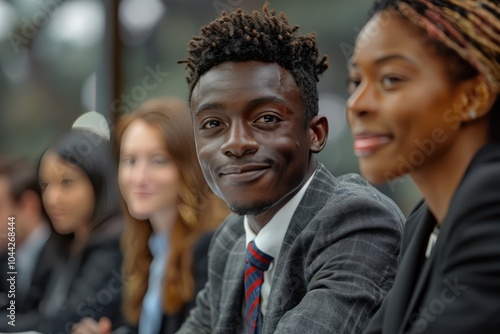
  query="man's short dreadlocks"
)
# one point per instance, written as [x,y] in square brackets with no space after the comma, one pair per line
[258,36]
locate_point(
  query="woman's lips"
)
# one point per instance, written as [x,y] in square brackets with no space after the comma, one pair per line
[57,215]
[142,193]
[365,145]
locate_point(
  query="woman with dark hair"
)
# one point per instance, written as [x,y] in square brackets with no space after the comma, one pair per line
[424,83]
[170,215]
[78,186]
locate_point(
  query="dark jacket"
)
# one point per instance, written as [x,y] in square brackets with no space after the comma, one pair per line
[28,300]
[88,284]
[457,289]
[337,261]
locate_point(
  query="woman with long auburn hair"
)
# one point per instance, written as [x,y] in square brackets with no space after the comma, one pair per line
[170,215]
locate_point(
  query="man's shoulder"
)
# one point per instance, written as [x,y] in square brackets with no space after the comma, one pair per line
[228,233]
[352,188]
[351,184]
[351,199]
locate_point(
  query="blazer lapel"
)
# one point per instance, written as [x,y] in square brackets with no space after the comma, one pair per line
[413,272]
[314,198]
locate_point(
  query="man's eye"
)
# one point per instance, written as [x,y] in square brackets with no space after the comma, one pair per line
[268,119]
[211,124]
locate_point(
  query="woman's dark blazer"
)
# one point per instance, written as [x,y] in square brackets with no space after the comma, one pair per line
[88,284]
[457,289]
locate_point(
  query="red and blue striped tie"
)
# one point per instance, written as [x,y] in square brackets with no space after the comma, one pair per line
[257,262]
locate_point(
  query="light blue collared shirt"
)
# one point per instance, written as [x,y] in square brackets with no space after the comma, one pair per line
[152,305]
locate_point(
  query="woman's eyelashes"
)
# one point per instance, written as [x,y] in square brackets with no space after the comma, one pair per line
[352,84]
[63,182]
[391,81]
[386,82]
[131,161]
[67,182]
[160,161]
[127,160]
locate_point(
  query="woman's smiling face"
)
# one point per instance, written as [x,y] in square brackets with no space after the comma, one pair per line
[402,107]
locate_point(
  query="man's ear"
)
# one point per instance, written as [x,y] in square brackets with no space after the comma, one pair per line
[318,132]
[477,98]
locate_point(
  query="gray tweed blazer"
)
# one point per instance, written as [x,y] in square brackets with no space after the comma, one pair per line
[337,262]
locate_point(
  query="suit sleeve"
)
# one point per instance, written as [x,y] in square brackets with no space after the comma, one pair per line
[466,298]
[350,265]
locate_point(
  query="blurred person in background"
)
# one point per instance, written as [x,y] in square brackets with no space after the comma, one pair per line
[424,102]
[77,179]
[170,216]
[33,245]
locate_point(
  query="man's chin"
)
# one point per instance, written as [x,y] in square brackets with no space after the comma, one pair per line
[253,208]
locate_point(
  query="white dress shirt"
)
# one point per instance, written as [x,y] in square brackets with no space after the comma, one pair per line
[270,239]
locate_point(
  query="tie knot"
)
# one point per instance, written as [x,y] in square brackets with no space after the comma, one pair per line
[257,257]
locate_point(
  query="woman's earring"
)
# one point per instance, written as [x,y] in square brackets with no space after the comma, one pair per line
[472,114]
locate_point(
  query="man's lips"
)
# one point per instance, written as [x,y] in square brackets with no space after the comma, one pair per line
[241,169]
[243,173]
[366,144]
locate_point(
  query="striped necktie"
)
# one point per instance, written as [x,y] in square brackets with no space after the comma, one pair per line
[256,263]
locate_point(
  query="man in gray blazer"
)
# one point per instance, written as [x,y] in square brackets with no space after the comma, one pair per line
[330,245]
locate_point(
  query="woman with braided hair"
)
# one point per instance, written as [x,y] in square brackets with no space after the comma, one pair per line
[424,83]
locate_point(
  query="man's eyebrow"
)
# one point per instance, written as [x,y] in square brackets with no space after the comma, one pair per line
[252,104]
[266,99]
[208,106]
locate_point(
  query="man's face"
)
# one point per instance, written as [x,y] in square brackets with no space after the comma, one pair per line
[251,138]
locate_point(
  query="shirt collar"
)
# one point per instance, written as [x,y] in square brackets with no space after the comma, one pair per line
[158,244]
[271,236]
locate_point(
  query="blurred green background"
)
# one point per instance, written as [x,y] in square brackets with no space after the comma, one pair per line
[59,59]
